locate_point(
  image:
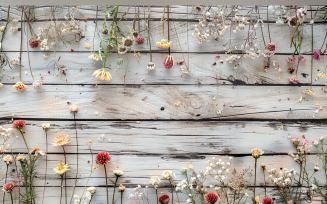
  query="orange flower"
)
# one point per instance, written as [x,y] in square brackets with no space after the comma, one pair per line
[263,166]
[19,86]
[60,140]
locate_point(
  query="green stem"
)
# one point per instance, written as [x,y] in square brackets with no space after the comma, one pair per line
[12,201]
[113,194]
[188,183]
[4,193]
[25,178]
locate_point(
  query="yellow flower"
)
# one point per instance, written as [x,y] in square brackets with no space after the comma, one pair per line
[61,168]
[190,167]
[164,43]
[322,75]
[102,74]
[257,199]
[310,92]
[87,45]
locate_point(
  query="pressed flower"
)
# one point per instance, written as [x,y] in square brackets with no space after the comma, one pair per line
[60,140]
[164,199]
[169,61]
[294,80]
[127,42]
[121,188]
[19,86]
[7,159]
[167,174]
[256,152]
[102,158]
[37,84]
[8,187]
[211,198]
[18,124]
[102,74]
[122,49]
[61,168]
[139,39]
[267,200]
[20,158]
[120,61]
[94,57]
[150,66]
[164,43]
[73,108]
[118,173]
[316,54]
[46,126]
[33,43]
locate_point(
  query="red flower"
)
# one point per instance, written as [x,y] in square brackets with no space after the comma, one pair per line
[212,198]
[8,187]
[102,158]
[139,39]
[33,43]
[267,200]
[168,61]
[18,124]
[291,70]
[164,199]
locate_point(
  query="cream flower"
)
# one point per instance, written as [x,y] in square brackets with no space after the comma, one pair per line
[191,166]
[20,158]
[256,153]
[73,108]
[102,74]
[94,57]
[91,190]
[155,181]
[46,126]
[1,84]
[7,159]
[167,174]
[61,168]
[37,84]
[118,173]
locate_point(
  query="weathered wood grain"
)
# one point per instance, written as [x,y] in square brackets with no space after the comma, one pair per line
[279,34]
[171,137]
[153,102]
[203,70]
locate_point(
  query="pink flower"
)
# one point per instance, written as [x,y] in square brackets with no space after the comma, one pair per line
[8,187]
[267,200]
[303,58]
[102,158]
[169,61]
[305,141]
[18,124]
[294,80]
[139,39]
[33,43]
[291,59]
[211,198]
[316,54]
[295,139]
[271,47]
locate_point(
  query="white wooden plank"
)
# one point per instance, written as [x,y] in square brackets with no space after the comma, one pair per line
[154,102]
[203,70]
[150,138]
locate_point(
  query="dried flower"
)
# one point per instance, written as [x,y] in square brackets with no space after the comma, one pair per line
[102,74]
[167,174]
[271,47]
[316,54]
[8,187]
[102,158]
[263,166]
[33,43]
[37,84]
[120,61]
[73,108]
[211,198]
[139,39]
[18,124]
[118,173]
[303,58]
[256,200]
[88,46]
[61,168]
[310,92]
[315,143]
[46,126]
[322,74]
[294,80]
[121,188]
[127,42]
[316,168]
[7,159]
[291,70]
[94,57]
[267,200]
[1,84]
[295,141]
[37,151]
[164,43]
[91,190]
[60,140]
[256,153]
[155,181]
[19,86]
[122,49]
[164,199]
[190,167]
[291,59]
[20,158]
[168,61]
[151,66]
[292,21]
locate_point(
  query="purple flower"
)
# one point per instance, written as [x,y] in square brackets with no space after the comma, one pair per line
[316,54]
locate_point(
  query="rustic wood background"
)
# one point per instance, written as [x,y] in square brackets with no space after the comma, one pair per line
[148,133]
